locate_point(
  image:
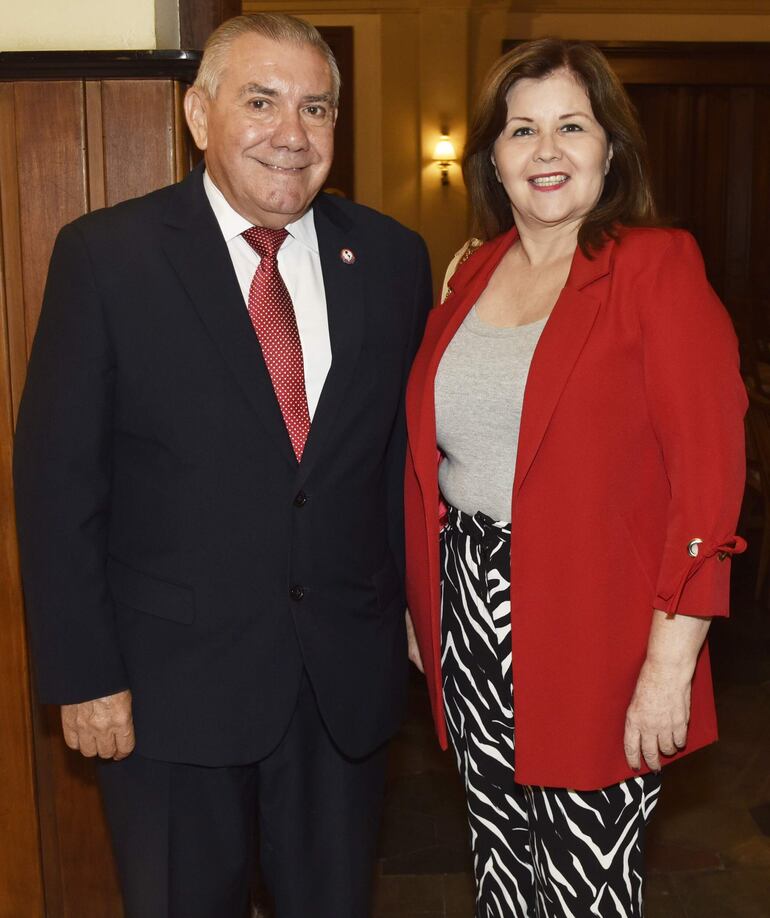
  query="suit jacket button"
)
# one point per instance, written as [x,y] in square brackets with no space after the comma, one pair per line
[300,500]
[296,592]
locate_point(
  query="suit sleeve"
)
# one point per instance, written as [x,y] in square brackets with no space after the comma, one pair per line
[697,402]
[422,301]
[62,465]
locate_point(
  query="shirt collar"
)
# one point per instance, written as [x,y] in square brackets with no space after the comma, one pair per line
[233,224]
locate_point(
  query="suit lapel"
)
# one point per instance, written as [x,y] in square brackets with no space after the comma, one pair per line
[194,245]
[559,347]
[344,291]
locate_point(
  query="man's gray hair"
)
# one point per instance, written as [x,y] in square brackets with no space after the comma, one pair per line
[277,27]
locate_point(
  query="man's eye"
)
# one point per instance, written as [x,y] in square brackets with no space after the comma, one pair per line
[316,111]
[258,104]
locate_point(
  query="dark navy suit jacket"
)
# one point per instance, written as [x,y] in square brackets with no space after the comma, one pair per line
[170,541]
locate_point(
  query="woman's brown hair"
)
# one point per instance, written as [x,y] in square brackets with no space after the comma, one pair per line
[626,197]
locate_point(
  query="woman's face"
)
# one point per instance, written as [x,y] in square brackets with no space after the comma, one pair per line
[552,155]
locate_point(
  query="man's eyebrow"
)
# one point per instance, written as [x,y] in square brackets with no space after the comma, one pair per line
[258,88]
[318,97]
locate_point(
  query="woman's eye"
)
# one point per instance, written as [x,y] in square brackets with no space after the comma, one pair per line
[522,132]
[571,128]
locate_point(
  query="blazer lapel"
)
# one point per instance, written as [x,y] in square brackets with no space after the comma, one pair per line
[344,291]
[194,245]
[559,347]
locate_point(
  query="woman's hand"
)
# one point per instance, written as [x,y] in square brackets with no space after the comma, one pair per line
[411,639]
[657,718]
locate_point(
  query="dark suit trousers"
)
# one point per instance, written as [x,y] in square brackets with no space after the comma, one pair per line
[184,835]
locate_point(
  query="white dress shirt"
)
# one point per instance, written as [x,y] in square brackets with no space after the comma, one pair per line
[300,267]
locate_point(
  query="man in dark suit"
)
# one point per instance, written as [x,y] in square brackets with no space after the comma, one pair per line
[209,464]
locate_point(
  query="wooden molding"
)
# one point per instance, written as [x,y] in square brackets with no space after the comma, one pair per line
[645,7]
[98,65]
[686,63]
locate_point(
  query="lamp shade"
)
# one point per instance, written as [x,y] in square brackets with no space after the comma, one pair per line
[445,151]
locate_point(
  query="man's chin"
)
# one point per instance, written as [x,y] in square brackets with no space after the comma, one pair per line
[277,213]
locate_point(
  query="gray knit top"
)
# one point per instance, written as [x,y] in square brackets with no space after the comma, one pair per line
[479,393]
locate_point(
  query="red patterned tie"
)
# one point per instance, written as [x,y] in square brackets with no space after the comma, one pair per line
[272,315]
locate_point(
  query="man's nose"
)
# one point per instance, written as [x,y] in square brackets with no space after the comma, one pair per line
[290,133]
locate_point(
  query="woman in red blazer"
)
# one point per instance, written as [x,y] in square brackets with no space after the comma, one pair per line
[567,551]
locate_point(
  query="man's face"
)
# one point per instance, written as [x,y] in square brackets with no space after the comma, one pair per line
[268,135]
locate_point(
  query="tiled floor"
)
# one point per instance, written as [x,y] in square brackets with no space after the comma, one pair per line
[709,845]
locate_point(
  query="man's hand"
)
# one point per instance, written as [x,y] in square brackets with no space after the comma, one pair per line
[411,639]
[102,727]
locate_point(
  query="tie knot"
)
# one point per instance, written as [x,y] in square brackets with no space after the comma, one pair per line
[265,241]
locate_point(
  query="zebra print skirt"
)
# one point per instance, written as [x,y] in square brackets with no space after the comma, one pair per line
[538,852]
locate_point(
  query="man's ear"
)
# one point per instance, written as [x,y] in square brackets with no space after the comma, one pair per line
[196,113]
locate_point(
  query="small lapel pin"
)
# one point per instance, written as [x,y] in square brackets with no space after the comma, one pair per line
[347,256]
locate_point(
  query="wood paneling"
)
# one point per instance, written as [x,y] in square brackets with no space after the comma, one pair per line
[139,136]
[50,134]
[66,147]
[689,63]
[705,110]
[21,889]
[342,174]
[199,18]
[709,149]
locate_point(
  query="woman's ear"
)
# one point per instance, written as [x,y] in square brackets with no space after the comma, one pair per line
[494,166]
[609,157]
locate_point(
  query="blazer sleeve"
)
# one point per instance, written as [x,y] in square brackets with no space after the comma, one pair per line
[62,483]
[697,401]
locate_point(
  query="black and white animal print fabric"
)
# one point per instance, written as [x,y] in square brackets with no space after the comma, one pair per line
[537,852]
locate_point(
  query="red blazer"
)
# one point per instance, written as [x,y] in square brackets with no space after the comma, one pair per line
[631,446]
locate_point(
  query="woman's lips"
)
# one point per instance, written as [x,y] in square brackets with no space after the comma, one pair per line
[550,182]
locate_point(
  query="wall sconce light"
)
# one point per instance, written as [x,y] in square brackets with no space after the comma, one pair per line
[444,155]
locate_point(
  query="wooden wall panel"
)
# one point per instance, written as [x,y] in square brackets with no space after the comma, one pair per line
[138,127]
[21,888]
[199,18]
[66,147]
[709,147]
[50,129]
[759,259]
